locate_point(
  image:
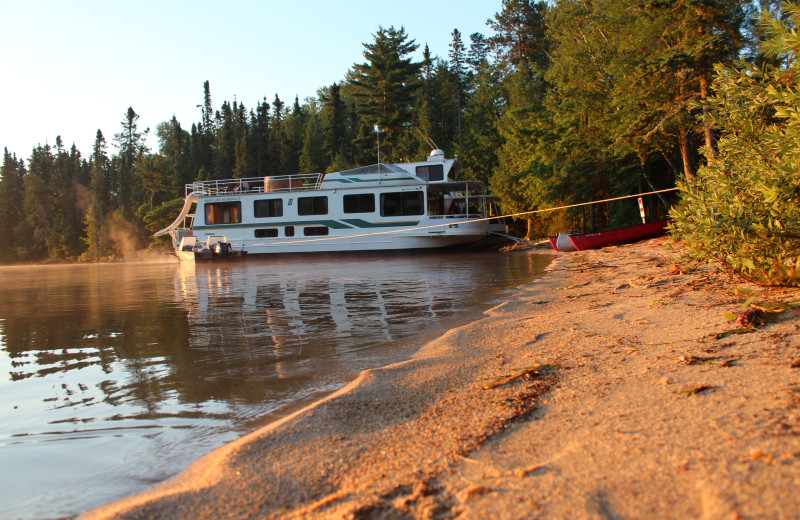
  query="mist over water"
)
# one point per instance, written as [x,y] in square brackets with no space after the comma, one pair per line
[117,376]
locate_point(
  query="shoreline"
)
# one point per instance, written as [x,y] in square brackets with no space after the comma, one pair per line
[643,405]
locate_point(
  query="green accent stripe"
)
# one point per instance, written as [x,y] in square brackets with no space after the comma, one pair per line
[357,222]
[333,224]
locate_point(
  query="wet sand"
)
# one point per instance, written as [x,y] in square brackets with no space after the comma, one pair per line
[614,387]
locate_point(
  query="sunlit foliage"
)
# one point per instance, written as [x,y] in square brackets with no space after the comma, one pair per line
[743,208]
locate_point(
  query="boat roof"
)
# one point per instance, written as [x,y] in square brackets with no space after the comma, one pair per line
[434,171]
[372,169]
[456,186]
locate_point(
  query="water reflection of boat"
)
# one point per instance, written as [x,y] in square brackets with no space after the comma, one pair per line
[381,207]
[113,363]
[332,304]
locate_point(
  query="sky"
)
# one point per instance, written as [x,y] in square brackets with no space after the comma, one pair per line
[73,67]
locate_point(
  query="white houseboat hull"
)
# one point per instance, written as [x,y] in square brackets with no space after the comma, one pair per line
[405,206]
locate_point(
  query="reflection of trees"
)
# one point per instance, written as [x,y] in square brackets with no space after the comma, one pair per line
[235,334]
[89,324]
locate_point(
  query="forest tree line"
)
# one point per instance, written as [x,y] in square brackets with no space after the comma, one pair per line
[567,101]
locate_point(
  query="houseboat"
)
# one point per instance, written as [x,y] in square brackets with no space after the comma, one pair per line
[382,207]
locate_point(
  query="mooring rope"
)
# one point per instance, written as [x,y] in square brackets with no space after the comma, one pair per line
[510,215]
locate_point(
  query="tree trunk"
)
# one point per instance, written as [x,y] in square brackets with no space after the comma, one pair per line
[707,130]
[686,152]
[675,171]
[646,174]
[647,179]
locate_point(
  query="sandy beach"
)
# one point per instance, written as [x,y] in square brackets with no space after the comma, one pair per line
[623,384]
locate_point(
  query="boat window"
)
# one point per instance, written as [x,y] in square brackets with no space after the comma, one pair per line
[360,203]
[436,203]
[315,231]
[433,172]
[267,233]
[288,231]
[312,205]
[223,213]
[402,203]
[268,208]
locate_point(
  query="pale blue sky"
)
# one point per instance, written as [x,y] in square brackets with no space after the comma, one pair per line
[71,67]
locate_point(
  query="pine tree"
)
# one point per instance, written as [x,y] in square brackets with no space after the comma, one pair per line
[482,141]
[97,240]
[196,153]
[175,145]
[478,51]
[661,57]
[130,144]
[575,133]
[225,136]
[386,86]
[520,28]
[425,106]
[12,213]
[154,171]
[459,69]
[311,156]
[203,144]
[445,104]
[208,110]
[520,177]
[38,200]
[333,119]
[65,238]
[244,163]
[756,32]
[161,203]
[644,66]
[277,144]
[294,127]
[259,142]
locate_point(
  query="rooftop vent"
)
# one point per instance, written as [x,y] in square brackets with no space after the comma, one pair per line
[436,155]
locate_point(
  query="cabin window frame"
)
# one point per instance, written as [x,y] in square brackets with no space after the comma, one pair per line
[409,203]
[224,212]
[316,205]
[358,203]
[431,172]
[316,231]
[266,233]
[268,208]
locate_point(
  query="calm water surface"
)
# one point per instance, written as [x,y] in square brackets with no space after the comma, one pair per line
[114,377]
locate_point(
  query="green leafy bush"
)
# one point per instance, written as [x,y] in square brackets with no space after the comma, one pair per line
[743,208]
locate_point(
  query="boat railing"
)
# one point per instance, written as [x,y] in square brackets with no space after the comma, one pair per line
[271,184]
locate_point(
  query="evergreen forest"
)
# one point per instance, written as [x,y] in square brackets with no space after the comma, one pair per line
[563,102]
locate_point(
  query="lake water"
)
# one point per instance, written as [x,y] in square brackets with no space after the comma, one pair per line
[117,376]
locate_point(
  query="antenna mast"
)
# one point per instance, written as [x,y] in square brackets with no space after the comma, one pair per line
[378,135]
[427,139]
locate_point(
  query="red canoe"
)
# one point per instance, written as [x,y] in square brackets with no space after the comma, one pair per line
[609,238]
